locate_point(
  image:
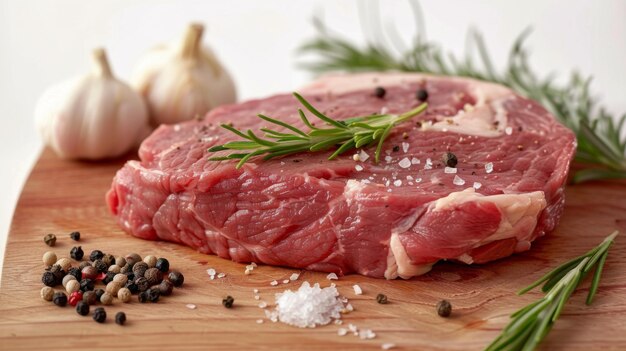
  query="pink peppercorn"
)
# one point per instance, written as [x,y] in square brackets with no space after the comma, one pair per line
[75,297]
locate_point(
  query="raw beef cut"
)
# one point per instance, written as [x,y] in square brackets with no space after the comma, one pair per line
[392,219]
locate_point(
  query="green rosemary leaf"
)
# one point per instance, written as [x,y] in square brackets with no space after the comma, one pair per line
[596,279]
[318,114]
[282,124]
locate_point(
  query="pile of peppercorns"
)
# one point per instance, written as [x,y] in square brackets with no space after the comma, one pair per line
[122,277]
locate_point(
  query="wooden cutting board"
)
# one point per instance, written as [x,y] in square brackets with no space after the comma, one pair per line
[62,196]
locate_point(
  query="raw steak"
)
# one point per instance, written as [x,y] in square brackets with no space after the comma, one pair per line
[392,219]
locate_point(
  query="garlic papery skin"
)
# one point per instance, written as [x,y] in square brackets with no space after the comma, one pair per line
[92,117]
[182,81]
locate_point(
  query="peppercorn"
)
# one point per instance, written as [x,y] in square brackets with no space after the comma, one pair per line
[449,159]
[106,298]
[86,285]
[120,278]
[130,275]
[90,298]
[120,318]
[130,285]
[125,269]
[143,297]
[48,279]
[444,308]
[150,261]
[99,315]
[84,264]
[124,294]
[381,299]
[422,95]
[72,286]
[65,263]
[154,293]
[47,293]
[140,269]
[100,266]
[49,258]
[99,292]
[120,261]
[58,272]
[59,299]
[50,239]
[108,277]
[396,148]
[163,265]
[95,255]
[154,276]
[166,288]
[75,272]
[108,259]
[228,301]
[133,258]
[176,278]
[77,253]
[82,308]
[113,287]
[75,297]
[67,278]
[142,284]
[114,268]
[89,272]
[75,236]
[380,92]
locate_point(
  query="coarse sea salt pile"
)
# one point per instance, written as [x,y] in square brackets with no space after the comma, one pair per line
[307,307]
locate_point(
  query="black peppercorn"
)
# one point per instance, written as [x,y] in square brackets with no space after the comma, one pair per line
[176,278]
[50,239]
[86,285]
[140,269]
[130,285]
[75,272]
[84,264]
[99,293]
[143,297]
[142,284]
[421,95]
[166,288]
[381,299]
[228,301]
[153,276]
[449,159]
[90,298]
[49,279]
[130,275]
[444,308]
[108,278]
[75,236]
[100,266]
[77,253]
[163,265]
[58,272]
[154,293]
[108,259]
[82,308]
[99,315]
[396,148]
[380,92]
[95,255]
[120,318]
[59,299]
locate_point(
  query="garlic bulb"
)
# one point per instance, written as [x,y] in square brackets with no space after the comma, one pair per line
[92,117]
[182,81]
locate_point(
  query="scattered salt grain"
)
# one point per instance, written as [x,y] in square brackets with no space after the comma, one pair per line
[342,332]
[405,163]
[221,275]
[397,182]
[415,161]
[508,130]
[450,170]
[274,283]
[477,185]
[356,157]
[256,291]
[294,277]
[409,177]
[367,334]
[358,168]
[388,346]
[489,167]
[332,276]
[286,281]
[309,306]
[259,321]
[338,322]
[357,289]
[211,272]
[458,181]
[363,156]
[417,180]
[388,159]
[262,304]
[405,147]
[429,164]
[253,265]
[191,306]
[257,297]
[349,307]
[352,328]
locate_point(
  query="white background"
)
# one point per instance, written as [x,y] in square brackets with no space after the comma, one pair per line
[43,42]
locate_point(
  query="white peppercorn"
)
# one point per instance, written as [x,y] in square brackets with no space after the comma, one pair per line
[120,261]
[106,299]
[124,295]
[67,278]
[114,268]
[140,268]
[120,278]
[47,293]
[113,287]
[65,263]
[150,261]
[72,286]
[49,258]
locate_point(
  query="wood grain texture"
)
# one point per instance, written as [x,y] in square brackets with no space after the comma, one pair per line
[62,196]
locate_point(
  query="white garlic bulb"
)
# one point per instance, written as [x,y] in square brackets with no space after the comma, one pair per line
[182,81]
[92,117]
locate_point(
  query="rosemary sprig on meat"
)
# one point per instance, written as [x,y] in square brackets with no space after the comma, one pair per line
[601,140]
[348,134]
[531,324]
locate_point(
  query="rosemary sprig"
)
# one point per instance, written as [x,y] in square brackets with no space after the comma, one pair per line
[348,134]
[601,140]
[530,324]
